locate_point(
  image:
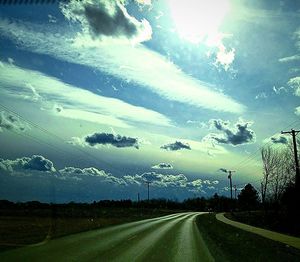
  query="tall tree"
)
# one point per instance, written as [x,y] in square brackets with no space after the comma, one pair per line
[248,198]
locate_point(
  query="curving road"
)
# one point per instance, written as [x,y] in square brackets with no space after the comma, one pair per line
[169,238]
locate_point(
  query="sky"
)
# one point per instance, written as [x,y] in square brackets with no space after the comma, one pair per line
[97,97]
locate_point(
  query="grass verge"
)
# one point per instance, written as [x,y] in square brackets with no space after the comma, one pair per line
[271,220]
[227,243]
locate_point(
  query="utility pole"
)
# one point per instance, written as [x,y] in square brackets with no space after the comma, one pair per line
[148,183]
[138,197]
[294,133]
[234,191]
[230,181]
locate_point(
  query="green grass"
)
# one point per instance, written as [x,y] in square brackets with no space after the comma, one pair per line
[227,243]
[275,221]
[20,230]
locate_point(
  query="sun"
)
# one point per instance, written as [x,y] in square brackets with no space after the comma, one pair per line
[196,20]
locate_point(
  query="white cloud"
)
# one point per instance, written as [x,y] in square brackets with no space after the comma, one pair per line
[179,181]
[262,95]
[224,57]
[137,63]
[289,59]
[11,122]
[27,164]
[297,111]
[295,83]
[11,60]
[77,103]
[279,90]
[80,174]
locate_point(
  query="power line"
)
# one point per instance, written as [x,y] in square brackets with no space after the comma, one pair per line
[255,154]
[294,133]
[45,131]
[250,158]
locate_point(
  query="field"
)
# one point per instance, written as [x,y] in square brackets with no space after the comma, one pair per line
[29,228]
[227,243]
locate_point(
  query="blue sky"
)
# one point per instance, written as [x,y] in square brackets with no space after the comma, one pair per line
[98,97]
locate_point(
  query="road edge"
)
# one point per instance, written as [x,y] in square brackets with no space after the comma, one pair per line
[285,239]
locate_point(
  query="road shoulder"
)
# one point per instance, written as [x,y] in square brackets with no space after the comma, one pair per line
[286,239]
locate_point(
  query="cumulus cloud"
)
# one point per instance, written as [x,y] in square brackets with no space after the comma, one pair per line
[139,64]
[224,57]
[102,18]
[297,110]
[239,134]
[179,181]
[38,165]
[162,166]
[34,163]
[111,139]
[159,180]
[11,122]
[80,174]
[279,139]
[178,145]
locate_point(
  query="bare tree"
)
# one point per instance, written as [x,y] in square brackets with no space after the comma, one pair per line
[270,162]
[278,171]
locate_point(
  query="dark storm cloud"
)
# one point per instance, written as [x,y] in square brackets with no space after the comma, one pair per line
[279,140]
[162,166]
[238,135]
[10,122]
[111,139]
[106,18]
[103,23]
[176,146]
[34,163]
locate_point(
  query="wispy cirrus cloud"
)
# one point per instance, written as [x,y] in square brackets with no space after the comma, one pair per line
[138,63]
[76,103]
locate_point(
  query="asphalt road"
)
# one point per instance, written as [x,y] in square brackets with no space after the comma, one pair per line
[169,238]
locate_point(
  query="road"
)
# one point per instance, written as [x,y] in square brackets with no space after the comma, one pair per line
[169,238]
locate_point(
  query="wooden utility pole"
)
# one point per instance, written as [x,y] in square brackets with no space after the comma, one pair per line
[148,185]
[230,181]
[294,133]
[234,192]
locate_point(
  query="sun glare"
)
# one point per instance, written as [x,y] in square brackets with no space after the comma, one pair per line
[196,20]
